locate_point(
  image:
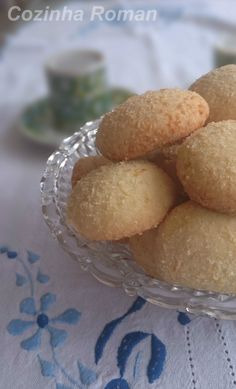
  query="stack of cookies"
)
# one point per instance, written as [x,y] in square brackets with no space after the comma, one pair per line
[166,180]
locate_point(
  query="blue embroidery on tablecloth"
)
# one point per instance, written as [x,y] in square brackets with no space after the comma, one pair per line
[128,343]
[117,383]
[110,327]
[70,316]
[28,306]
[158,354]
[33,342]
[46,300]
[12,254]
[20,280]
[48,369]
[42,324]
[3,249]
[87,376]
[183,318]
[57,337]
[32,257]
[157,360]
[137,365]
[42,278]
[18,326]
[126,347]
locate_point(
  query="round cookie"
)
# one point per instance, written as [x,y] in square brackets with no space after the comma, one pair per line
[218,88]
[206,166]
[169,152]
[149,121]
[194,247]
[84,165]
[120,200]
[166,158]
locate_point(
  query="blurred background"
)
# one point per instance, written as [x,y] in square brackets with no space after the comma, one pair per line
[175,49]
[187,39]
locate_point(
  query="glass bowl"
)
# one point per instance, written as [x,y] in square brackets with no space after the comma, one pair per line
[112,263]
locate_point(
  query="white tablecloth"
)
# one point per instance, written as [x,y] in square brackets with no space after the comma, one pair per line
[60,328]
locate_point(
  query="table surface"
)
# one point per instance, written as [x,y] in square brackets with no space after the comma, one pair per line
[61,328]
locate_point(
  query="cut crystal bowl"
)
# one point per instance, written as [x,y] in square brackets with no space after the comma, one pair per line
[109,262]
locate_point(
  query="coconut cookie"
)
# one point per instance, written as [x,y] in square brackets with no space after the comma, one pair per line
[84,165]
[149,121]
[206,166]
[166,158]
[193,247]
[218,88]
[120,200]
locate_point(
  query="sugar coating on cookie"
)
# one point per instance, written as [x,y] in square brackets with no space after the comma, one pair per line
[218,88]
[152,120]
[84,165]
[120,200]
[194,247]
[206,166]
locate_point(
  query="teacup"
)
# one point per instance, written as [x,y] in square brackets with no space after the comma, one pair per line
[78,88]
[225,52]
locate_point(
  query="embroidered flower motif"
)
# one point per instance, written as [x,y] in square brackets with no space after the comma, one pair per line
[42,322]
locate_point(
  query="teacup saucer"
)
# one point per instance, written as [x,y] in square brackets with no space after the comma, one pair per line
[36,122]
